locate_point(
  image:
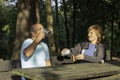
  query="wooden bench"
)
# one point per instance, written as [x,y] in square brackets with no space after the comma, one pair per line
[6,66]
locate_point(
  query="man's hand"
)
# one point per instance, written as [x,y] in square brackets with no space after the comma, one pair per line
[40,36]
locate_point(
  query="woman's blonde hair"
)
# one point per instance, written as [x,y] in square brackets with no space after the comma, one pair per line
[98,31]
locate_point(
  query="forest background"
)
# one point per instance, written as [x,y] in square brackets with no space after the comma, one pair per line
[67,19]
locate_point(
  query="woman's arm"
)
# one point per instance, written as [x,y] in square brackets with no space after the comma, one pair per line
[98,56]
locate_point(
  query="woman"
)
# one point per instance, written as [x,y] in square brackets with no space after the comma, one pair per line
[91,51]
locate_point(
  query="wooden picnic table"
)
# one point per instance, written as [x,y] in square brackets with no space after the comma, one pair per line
[81,71]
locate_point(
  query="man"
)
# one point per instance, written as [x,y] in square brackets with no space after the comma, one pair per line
[34,52]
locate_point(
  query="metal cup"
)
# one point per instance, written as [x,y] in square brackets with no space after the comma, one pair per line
[47,32]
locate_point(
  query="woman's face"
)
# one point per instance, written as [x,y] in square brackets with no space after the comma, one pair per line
[92,37]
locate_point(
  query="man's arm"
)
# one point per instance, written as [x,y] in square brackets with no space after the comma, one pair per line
[30,49]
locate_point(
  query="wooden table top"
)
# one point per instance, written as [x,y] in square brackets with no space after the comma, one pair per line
[71,71]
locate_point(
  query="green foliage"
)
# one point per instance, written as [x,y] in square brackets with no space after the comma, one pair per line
[7,30]
[88,12]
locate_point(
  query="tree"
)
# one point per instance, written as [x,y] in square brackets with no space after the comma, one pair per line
[34,13]
[50,25]
[67,29]
[7,29]
[74,22]
[27,15]
[56,28]
[21,27]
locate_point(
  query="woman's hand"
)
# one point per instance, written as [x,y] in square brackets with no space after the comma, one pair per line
[65,51]
[79,57]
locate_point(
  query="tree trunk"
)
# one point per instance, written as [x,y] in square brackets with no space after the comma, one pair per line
[34,13]
[67,30]
[74,22]
[50,26]
[24,21]
[57,29]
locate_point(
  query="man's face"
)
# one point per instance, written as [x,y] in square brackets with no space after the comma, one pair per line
[36,29]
